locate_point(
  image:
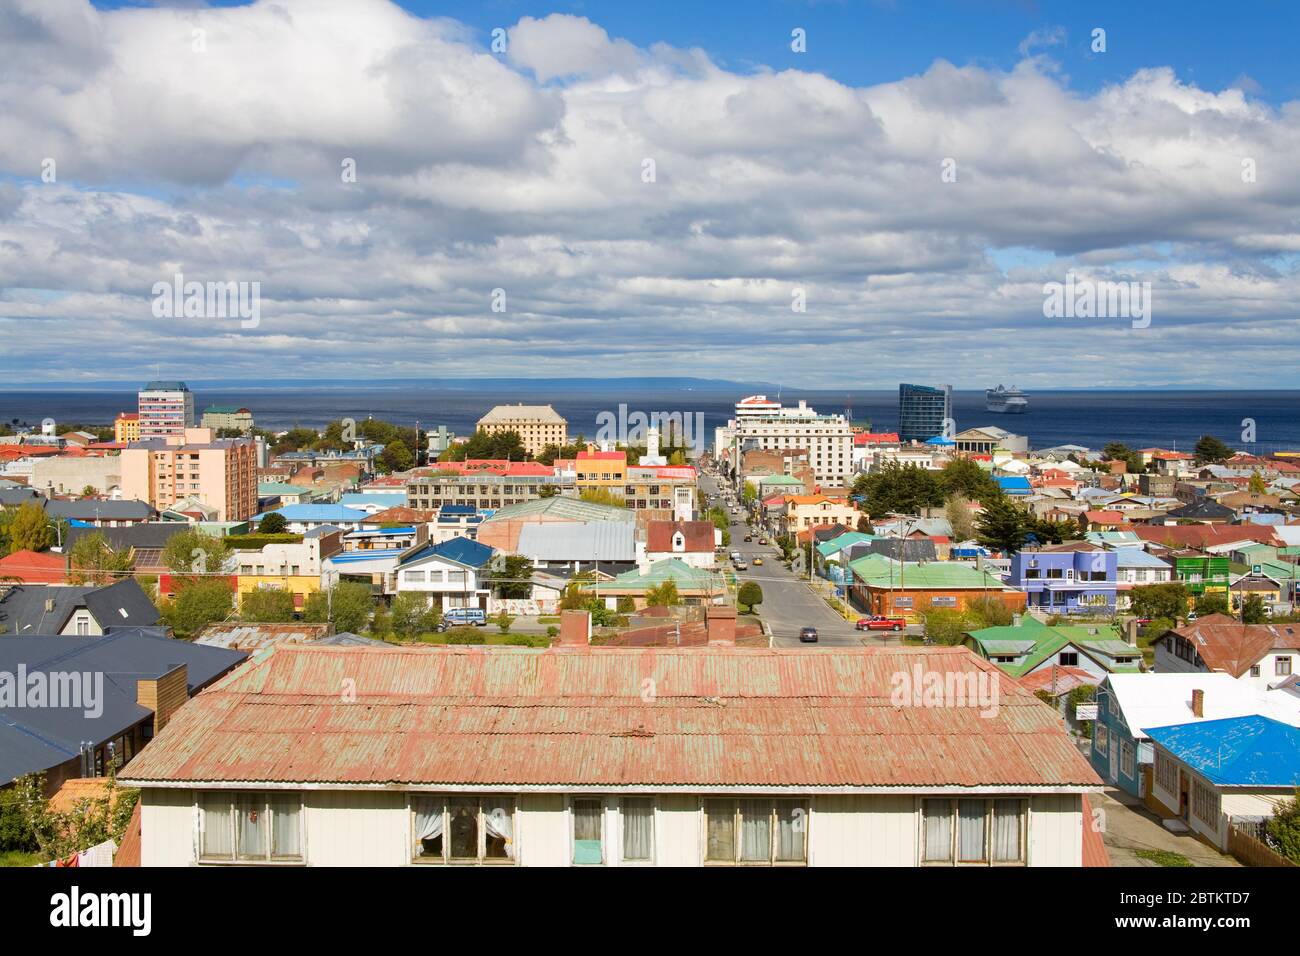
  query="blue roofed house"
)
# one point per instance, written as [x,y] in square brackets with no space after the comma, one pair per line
[453,573]
[1014,485]
[1220,774]
[299,519]
[1071,578]
[1128,704]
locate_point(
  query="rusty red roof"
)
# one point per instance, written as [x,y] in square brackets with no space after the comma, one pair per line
[566,717]
[698,535]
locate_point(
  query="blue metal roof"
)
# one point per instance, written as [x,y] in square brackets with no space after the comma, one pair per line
[1251,751]
[316,513]
[1018,484]
[461,550]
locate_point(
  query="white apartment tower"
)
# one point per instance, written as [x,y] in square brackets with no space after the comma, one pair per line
[166,410]
[764,424]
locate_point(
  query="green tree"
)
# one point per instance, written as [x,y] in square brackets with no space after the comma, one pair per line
[1253,610]
[512,577]
[987,611]
[57,834]
[1001,526]
[198,603]
[89,491]
[663,595]
[1283,828]
[749,494]
[195,552]
[31,529]
[1212,602]
[964,476]
[273,523]
[266,606]
[626,604]
[397,456]
[93,560]
[347,604]
[864,525]
[547,491]
[1257,484]
[1167,600]
[503,621]
[602,496]
[413,615]
[1209,450]
[945,625]
[750,595]
[902,489]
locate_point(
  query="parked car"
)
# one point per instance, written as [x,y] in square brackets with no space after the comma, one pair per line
[749,538]
[878,622]
[462,616]
[808,635]
[741,566]
[762,540]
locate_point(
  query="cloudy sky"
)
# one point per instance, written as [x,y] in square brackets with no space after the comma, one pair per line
[601,189]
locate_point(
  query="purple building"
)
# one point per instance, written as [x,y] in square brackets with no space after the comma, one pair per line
[1074,578]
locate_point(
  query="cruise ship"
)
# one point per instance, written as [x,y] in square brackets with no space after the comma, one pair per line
[1009,401]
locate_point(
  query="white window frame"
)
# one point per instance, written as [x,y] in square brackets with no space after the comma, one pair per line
[481,859]
[201,813]
[955,825]
[802,807]
[572,822]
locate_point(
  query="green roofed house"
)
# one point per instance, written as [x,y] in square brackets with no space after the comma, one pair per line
[909,589]
[1030,646]
[694,585]
[287,493]
[830,554]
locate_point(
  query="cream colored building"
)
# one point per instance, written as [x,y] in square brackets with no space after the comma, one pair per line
[219,472]
[59,475]
[795,775]
[537,425]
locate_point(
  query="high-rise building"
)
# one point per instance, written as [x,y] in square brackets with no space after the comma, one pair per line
[221,473]
[166,410]
[759,423]
[536,425]
[923,410]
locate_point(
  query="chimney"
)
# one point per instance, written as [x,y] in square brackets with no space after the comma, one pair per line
[163,695]
[721,625]
[1198,702]
[575,628]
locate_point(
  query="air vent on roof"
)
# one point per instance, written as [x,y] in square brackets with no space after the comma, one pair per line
[122,611]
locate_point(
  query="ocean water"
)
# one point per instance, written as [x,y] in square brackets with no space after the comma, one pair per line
[1169,419]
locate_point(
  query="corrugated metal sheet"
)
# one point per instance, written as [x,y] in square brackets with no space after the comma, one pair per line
[577,716]
[573,541]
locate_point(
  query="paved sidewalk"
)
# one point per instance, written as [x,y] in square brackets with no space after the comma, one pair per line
[1130,826]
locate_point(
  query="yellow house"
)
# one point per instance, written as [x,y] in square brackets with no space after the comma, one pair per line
[293,566]
[601,469]
[809,511]
[126,428]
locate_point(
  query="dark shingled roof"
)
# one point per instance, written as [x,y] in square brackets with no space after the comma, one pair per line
[23,610]
[33,739]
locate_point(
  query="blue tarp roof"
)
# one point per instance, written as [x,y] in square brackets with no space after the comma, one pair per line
[1236,751]
[317,513]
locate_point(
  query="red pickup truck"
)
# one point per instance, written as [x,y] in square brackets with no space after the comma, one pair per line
[878,622]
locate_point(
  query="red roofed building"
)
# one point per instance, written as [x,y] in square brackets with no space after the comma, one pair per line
[34,567]
[554,757]
[693,542]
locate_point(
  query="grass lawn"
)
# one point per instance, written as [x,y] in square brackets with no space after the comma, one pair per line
[549,619]
[19,858]
[479,635]
[1163,857]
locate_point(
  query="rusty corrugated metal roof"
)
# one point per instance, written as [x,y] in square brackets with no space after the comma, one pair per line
[590,716]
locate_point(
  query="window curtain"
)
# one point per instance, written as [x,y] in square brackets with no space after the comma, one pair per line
[755,830]
[938,831]
[217,841]
[1006,831]
[587,831]
[285,833]
[638,828]
[251,826]
[721,816]
[499,823]
[791,822]
[970,830]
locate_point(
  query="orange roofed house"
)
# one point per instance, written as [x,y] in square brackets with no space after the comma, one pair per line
[517,756]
